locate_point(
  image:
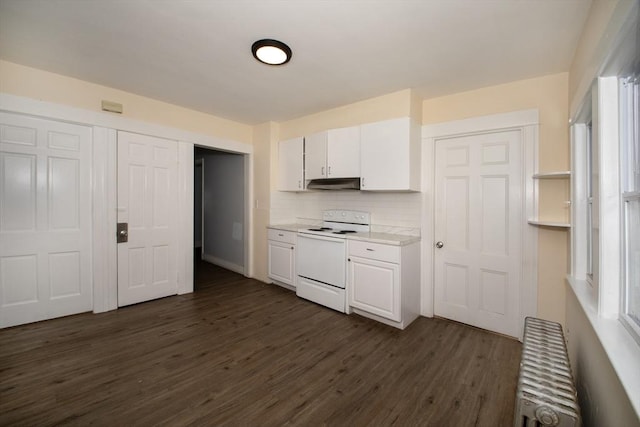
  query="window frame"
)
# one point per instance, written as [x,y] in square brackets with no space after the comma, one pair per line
[629,88]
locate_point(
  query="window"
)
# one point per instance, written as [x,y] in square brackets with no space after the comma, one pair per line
[630,186]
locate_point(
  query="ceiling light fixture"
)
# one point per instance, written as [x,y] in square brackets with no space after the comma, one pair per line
[271,52]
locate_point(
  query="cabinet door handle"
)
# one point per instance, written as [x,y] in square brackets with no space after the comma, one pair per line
[371,250]
[349,259]
[292,248]
[362,182]
[281,235]
[322,171]
[299,184]
[328,170]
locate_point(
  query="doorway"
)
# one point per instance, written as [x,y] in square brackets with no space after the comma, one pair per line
[220,240]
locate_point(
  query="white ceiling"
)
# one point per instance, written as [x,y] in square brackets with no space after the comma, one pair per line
[197,53]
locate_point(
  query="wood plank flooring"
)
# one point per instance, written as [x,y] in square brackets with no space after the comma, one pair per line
[238,352]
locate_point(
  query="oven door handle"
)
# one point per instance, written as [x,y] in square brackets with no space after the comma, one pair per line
[316,237]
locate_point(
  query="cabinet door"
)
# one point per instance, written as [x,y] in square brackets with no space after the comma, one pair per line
[385,155]
[290,165]
[315,151]
[343,153]
[282,262]
[374,286]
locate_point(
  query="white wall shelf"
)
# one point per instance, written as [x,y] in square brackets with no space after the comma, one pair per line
[549,223]
[559,175]
[553,175]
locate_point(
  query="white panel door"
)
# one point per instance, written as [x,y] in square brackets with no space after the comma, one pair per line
[478,220]
[45,219]
[147,201]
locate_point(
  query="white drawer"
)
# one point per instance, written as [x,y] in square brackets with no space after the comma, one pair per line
[376,251]
[282,236]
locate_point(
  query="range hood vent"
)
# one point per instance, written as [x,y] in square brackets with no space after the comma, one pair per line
[334,184]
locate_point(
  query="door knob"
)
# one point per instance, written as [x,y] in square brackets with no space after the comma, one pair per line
[439,245]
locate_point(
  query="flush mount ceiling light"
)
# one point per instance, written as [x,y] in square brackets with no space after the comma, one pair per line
[271,52]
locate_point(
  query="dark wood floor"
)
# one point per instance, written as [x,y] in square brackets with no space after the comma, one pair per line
[240,352]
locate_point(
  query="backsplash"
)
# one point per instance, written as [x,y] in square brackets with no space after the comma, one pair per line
[390,212]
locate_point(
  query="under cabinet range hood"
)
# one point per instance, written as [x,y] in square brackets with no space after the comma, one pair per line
[334,184]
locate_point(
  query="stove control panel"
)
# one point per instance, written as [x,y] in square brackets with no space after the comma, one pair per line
[351,217]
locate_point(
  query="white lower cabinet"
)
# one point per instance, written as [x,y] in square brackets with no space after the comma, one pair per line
[375,287]
[282,257]
[384,282]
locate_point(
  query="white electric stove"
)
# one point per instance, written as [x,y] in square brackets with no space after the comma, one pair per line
[321,258]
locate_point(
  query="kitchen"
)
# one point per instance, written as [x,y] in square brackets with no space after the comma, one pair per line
[269,206]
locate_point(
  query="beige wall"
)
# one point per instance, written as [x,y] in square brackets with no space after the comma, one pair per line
[390,106]
[45,86]
[546,93]
[598,37]
[265,140]
[549,95]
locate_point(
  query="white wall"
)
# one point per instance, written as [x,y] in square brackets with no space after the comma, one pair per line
[224,207]
[603,401]
[401,211]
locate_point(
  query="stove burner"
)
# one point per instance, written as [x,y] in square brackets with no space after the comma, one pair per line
[321,229]
[344,232]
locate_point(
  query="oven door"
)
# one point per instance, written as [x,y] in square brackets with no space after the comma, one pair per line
[323,259]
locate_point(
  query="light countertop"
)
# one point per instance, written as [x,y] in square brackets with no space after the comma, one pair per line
[289,227]
[384,238]
[373,237]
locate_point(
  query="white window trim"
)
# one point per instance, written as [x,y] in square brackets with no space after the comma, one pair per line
[610,199]
[579,204]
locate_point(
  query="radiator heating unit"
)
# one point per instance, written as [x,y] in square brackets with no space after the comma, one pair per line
[546,395]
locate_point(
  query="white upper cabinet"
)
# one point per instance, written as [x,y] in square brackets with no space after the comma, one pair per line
[390,155]
[291,165]
[334,153]
[315,150]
